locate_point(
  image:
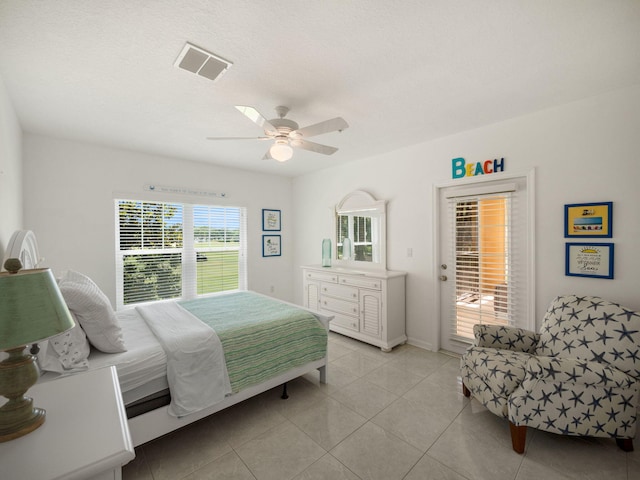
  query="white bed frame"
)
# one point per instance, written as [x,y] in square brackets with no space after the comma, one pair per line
[158,422]
[23,246]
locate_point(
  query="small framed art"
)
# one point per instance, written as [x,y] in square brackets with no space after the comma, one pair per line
[270,220]
[589,260]
[593,220]
[271,246]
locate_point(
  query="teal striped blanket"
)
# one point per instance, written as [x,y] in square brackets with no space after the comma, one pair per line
[261,337]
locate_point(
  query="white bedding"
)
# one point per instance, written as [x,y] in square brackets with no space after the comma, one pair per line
[196,368]
[142,369]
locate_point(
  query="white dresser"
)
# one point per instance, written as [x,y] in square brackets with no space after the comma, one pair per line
[367,305]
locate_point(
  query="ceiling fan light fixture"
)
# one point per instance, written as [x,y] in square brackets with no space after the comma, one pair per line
[287,134]
[281,151]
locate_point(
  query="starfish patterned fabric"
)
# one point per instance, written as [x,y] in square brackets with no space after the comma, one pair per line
[493,375]
[593,329]
[579,376]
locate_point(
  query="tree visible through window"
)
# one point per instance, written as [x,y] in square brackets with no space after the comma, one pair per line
[173,250]
[358,229]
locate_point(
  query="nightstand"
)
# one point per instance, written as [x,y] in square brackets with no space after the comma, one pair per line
[85,435]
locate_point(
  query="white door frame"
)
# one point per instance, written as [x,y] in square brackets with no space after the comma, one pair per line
[530,248]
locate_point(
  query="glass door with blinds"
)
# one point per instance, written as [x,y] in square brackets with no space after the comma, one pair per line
[483,269]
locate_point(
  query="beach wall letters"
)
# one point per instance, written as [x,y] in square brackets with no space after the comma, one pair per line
[460,168]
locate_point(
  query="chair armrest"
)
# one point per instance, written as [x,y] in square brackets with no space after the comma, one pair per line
[506,338]
[578,372]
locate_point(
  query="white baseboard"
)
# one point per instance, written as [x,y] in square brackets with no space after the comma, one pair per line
[420,344]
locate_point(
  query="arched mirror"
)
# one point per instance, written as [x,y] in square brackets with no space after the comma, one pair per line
[360,231]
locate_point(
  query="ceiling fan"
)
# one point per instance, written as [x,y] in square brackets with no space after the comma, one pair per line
[287,134]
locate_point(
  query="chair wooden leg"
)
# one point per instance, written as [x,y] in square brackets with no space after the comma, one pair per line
[466,391]
[518,437]
[625,444]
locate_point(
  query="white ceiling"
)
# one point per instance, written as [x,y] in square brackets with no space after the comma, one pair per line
[399,72]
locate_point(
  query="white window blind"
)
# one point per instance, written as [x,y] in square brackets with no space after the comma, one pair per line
[220,253]
[360,230]
[178,250]
[487,254]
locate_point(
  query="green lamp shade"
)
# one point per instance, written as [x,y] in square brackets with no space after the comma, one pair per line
[31,308]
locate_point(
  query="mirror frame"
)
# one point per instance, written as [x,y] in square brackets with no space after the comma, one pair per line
[362,203]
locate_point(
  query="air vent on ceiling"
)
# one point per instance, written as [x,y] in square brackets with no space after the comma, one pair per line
[196,60]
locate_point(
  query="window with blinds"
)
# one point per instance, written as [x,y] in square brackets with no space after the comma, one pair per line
[359,230]
[486,270]
[217,246]
[177,250]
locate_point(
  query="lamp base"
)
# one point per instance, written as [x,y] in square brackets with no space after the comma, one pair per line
[18,373]
[22,428]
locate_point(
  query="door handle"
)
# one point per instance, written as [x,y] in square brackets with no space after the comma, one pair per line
[443,278]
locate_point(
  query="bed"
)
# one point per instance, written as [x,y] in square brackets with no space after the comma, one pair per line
[240,345]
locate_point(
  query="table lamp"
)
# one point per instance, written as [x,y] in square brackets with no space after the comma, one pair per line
[31,309]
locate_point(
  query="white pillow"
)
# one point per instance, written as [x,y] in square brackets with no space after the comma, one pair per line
[65,353]
[93,311]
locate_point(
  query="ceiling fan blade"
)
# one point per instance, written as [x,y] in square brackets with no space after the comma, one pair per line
[335,124]
[313,147]
[238,138]
[256,117]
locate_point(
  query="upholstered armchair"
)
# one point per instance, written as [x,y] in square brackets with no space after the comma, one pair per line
[579,376]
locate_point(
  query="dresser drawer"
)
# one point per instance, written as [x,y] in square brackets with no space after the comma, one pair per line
[323,276]
[360,281]
[340,306]
[345,292]
[345,321]
[367,305]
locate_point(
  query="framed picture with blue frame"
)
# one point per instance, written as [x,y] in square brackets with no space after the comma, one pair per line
[594,260]
[271,246]
[271,220]
[588,220]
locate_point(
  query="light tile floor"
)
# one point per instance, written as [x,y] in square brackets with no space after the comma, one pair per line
[397,415]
